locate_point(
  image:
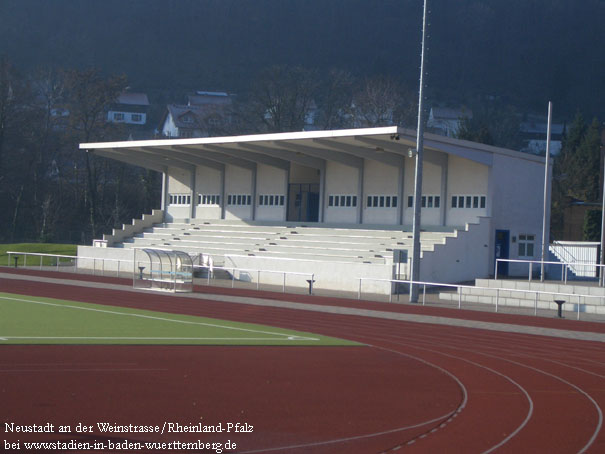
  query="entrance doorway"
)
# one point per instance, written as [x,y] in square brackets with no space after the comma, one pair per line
[303,202]
[502,250]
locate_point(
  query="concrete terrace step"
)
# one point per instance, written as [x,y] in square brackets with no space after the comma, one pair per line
[582,288]
[585,306]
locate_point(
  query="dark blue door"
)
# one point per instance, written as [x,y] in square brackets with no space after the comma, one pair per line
[502,250]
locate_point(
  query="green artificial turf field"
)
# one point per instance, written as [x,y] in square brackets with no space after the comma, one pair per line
[35,320]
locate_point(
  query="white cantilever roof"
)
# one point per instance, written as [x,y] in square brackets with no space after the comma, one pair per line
[349,147]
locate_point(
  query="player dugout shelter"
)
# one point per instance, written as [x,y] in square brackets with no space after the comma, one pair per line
[349,177]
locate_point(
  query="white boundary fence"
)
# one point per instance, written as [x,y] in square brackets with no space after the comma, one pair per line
[126,266]
[233,270]
[459,288]
[564,266]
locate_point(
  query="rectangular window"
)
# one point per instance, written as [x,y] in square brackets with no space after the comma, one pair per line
[394,204]
[238,199]
[344,201]
[465,201]
[179,199]
[423,201]
[136,117]
[526,246]
[410,201]
[118,116]
[437,201]
[430,201]
[270,200]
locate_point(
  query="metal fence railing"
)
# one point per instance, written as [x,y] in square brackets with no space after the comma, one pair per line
[564,266]
[232,271]
[556,296]
[124,268]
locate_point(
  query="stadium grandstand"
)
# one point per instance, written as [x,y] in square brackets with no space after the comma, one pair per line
[338,204]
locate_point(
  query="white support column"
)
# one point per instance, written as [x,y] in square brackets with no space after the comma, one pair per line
[286,194]
[322,192]
[400,188]
[223,196]
[444,181]
[164,189]
[253,191]
[193,203]
[360,192]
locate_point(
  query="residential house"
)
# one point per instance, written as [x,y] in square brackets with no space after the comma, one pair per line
[534,129]
[446,121]
[130,108]
[206,114]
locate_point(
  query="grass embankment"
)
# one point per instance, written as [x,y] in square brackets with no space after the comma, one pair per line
[40,248]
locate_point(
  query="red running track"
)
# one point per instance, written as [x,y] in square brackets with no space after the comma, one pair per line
[415,388]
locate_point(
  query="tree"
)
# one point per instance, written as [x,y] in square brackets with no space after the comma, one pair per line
[576,169]
[89,96]
[592,226]
[493,124]
[383,101]
[335,100]
[282,98]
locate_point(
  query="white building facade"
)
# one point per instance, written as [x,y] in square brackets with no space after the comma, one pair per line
[350,177]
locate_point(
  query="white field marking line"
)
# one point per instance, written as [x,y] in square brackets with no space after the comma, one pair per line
[288,336]
[149,338]
[386,432]
[12,371]
[580,390]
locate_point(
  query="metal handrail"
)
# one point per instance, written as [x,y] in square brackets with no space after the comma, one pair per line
[127,261]
[564,266]
[459,288]
[258,272]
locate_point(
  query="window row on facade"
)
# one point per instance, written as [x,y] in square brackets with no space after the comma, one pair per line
[340,200]
[468,201]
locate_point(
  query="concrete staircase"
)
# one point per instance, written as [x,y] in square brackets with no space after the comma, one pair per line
[516,293]
[331,243]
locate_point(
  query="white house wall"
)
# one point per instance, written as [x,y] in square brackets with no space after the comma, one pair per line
[238,181]
[271,181]
[169,128]
[208,182]
[341,180]
[380,179]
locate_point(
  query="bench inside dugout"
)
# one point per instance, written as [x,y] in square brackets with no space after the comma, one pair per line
[162,270]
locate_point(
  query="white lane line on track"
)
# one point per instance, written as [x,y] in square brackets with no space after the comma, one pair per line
[386,432]
[45,371]
[151,338]
[577,388]
[288,336]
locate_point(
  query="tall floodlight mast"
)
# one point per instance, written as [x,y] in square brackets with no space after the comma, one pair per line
[415,265]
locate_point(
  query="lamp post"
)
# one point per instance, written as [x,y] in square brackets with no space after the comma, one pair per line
[415,265]
[545,226]
[602,257]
